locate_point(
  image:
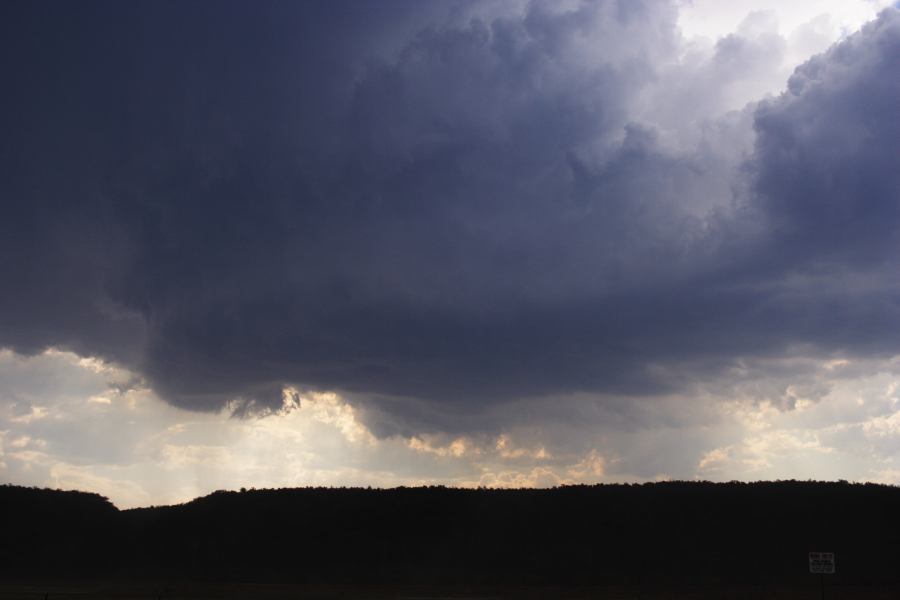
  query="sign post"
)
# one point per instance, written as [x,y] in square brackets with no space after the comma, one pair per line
[823,564]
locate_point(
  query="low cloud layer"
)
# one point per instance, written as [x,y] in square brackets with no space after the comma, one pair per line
[78,423]
[437,211]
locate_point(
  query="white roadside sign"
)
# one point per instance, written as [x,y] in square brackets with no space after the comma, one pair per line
[821,562]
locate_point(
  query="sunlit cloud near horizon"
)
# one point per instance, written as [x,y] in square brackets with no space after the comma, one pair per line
[474,244]
[76,423]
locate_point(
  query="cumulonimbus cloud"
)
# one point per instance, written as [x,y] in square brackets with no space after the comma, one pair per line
[477,214]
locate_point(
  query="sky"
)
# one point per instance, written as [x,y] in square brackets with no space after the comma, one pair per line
[466,243]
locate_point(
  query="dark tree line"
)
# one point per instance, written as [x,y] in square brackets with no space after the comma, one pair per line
[673,531]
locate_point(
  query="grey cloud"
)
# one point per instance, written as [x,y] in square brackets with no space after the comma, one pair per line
[432,226]
[826,165]
[709,81]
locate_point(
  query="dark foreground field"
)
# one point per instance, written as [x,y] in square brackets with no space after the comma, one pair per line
[663,540]
[197,591]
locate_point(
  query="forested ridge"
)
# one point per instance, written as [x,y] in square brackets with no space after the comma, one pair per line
[668,531]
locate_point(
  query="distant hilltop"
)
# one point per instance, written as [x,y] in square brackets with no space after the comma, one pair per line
[602,534]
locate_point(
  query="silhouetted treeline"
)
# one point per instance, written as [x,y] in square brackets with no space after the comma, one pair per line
[672,531]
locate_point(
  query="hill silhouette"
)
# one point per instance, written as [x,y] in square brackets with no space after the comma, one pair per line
[686,532]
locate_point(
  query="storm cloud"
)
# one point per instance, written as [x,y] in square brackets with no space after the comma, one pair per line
[446,206]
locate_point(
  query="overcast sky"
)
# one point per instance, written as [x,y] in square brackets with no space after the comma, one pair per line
[471,243]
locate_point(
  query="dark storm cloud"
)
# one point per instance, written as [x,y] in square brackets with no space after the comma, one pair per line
[827,160]
[444,204]
[826,180]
